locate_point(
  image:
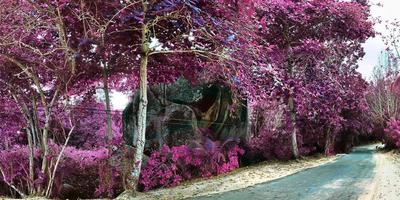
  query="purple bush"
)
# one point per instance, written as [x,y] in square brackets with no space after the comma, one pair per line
[14,165]
[80,172]
[170,166]
[392,133]
[85,172]
[271,132]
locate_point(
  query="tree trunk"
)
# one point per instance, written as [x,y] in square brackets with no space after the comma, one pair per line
[34,124]
[142,112]
[109,133]
[328,142]
[45,145]
[31,186]
[45,150]
[292,107]
[249,122]
[294,131]
[141,128]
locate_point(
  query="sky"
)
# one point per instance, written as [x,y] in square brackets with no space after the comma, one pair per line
[373,47]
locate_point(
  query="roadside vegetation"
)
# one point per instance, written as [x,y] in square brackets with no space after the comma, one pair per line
[282,76]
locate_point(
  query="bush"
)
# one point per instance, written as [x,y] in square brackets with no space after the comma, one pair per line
[170,166]
[81,173]
[271,132]
[14,164]
[271,145]
[392,134]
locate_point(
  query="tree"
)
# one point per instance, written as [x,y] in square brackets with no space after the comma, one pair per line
[292,27]
[162,40]
[37,68]
[188,28]
[391,39]
[298,57]
[382,97]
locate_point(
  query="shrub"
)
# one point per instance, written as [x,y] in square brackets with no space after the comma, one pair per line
[271,132]
[392,134]
[81,173]
[14,164]
[170,166]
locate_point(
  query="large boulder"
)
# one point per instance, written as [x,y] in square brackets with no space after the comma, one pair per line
[180,113]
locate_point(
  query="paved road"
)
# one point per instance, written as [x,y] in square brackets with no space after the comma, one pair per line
[340,180]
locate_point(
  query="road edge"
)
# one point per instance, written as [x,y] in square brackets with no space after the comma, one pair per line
[213,185]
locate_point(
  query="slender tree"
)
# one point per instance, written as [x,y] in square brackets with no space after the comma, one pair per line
[292,27]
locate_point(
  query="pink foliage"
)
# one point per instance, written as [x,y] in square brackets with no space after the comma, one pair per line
[270,139]
[14,165]
[85,171]
[267,51]
[392,133]
[81,170]
[170,166]
[271,145]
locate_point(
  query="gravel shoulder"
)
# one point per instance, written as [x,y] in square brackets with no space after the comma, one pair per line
[386,182]
[238,179]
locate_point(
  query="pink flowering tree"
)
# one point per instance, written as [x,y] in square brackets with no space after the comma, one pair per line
[301,36]
[294,61]
[161,34]
[71,47]
[37,67]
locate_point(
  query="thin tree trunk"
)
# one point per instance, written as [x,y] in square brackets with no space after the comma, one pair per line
[294,131]
[109,133]
[53,173]
[291,103]
[141,128]
[142,112]
[31,135]
[34,124]
[31,186]
[292,110]
[45,146]
[249,122]
[29,118]
[328,141]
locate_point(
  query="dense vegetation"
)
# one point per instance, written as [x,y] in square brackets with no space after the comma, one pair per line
[292,62]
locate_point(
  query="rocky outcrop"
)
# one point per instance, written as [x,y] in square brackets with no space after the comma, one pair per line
[179,113]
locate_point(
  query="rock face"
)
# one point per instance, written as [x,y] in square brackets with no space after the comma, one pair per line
[180,113]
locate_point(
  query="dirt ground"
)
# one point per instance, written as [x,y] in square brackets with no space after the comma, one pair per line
[386,183]
[238,179]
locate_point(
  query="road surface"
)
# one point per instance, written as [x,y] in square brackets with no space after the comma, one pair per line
[345,178]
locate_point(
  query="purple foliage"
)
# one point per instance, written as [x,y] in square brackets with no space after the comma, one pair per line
[392,133]
[14,165]
[170,166]
[81,170]
[271,139]
[268,51]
